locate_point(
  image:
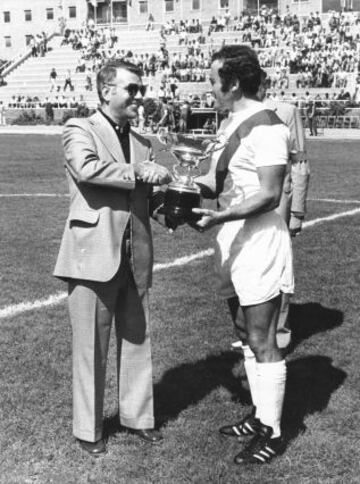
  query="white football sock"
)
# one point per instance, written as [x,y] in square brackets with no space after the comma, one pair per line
[251,372]
[271,378]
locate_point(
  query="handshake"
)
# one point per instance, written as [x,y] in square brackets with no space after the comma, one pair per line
[152,173]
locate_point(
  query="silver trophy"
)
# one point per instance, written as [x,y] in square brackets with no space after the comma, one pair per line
[183,194]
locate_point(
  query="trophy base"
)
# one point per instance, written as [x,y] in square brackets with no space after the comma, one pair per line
[179,202]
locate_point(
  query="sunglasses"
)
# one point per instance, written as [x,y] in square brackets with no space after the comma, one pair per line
[132,89]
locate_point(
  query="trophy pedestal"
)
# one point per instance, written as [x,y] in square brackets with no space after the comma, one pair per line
[180,199]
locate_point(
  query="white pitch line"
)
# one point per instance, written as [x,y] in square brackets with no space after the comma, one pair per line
[333,200]
[54,299]
[35,195]
[329,218]
[182,261]
[15,309]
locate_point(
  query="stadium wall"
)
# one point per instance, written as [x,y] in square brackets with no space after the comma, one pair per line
[19,19]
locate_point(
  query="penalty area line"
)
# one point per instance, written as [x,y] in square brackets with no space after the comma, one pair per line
[54,299]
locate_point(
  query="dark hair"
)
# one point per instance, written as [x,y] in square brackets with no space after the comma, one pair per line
[240,63]
[108,71]
[263,75]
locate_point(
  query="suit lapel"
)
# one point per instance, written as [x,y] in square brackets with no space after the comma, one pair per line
[107,135]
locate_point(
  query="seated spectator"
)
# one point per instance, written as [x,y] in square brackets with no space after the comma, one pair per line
[73,103]
[210,125]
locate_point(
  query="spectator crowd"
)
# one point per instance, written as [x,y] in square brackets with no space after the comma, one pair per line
[315,51]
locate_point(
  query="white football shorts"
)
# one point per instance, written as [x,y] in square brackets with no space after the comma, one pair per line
[253,259]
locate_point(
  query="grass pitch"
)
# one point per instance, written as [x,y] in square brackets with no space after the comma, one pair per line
[199,383]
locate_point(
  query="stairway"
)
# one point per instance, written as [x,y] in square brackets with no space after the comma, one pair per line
[32,77]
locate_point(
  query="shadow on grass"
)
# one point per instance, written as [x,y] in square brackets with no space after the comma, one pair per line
[310,382]
[308,319]
[189,383]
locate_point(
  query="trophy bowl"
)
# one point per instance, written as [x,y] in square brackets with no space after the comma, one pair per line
[182,194]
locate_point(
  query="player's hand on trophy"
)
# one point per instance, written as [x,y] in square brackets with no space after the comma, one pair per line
[152,173]
[208,219]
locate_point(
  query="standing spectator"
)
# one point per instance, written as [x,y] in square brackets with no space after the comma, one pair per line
[161,93]
[311,117]
[81,66]
[68,81]
[2,81]
[33,47]
[88,80]
[185,112]
[49,111]
[173,82]
[150,22]
[2,114]
[53,82]
[227,18]
[44,44]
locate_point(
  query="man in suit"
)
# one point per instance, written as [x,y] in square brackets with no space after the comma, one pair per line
[106,256]
[292,206]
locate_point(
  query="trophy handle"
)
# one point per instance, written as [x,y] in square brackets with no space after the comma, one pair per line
[175,170]
[196,171]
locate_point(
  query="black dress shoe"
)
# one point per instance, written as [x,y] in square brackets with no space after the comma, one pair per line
[93,448]
[151,436]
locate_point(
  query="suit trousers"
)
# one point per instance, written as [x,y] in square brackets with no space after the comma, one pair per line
[93,306]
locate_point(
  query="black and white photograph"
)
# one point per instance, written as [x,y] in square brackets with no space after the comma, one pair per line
[180,261]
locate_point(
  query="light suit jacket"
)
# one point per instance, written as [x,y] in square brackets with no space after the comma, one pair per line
[104,196]
[297,178]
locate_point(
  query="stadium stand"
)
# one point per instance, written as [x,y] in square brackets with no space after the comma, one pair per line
[319,55]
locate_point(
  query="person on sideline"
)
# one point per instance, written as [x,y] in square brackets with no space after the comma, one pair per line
[296,184]
[253,256]
[311,116]
[293,199]
[106,256]
[2,114]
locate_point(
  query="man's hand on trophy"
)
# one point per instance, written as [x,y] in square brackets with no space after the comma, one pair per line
[152,173]
[209,218]
[207,145]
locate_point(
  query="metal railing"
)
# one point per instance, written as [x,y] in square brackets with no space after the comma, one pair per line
[19,59]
